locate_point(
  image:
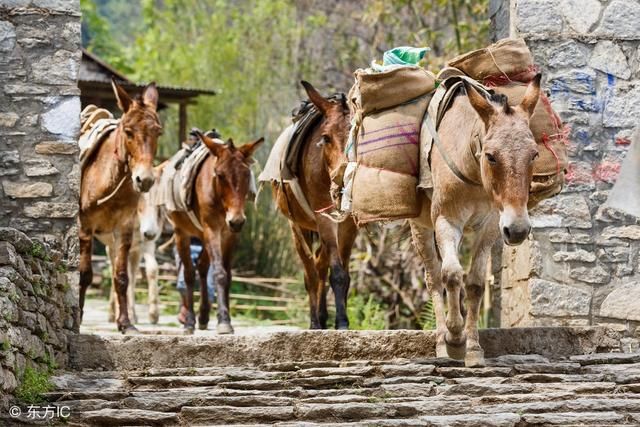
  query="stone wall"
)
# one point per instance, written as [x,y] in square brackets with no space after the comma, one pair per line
[39,119]
[582,264]
[39,183]
[38,308]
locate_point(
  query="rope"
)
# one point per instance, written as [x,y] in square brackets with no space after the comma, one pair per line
[105,199]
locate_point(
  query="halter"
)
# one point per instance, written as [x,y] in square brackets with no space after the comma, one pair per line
[123,156]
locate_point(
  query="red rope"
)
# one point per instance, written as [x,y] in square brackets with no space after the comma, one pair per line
[324,209]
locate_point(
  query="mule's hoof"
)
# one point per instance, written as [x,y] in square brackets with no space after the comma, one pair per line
[129,330]
[154,318]
[474,359]
[441,350]
[188,330]
[456,349]
[342,328]
[203,326]
[224,328]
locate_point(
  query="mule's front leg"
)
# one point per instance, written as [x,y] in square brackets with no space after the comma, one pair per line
[86,270]
[220,258]
[151,271]
[122,279]
[205,304]
[474,291]
[424,243]
[448,237]
[184,251]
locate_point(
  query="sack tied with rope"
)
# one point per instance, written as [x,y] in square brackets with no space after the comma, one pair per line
[383,149]
[507,67]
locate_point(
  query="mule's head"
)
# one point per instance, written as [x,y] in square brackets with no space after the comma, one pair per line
[334,129]
[140,128]
[506,160]
[150,214]
[232,179]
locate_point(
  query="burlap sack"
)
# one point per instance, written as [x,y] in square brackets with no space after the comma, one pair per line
[379,91]
[381,195]
[548,131]
[509,57]
[390,139]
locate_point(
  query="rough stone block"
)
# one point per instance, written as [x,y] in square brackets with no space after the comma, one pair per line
[614,254]
[609,58]
[553,299]
[8,120]
[7,36]
[623,108]
[620,20]
[573,238]
[61,68]
[37,167]
[572,211]
[56,120]
[9,163]
[623,302]
[538,16]
[19,190]
[631,232]
[581,15]
[569,54]
[51,210]
[580,255]
[594,275]
[57,147]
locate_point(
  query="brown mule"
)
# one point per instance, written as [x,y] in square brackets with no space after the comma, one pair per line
[119,170]
[323,152]
[220,191]
[492,203]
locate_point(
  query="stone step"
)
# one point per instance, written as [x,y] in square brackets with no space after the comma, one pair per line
[156,351]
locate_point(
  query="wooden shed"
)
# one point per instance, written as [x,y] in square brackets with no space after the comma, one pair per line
[94,81]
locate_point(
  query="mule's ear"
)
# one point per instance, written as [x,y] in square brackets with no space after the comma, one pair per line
[150,96]
[230,145]
[247,150]
[216,148]
[123,98]
[315,97]
[483,107]
[531,96]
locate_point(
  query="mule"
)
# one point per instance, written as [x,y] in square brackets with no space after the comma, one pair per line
[321,155]
[221,187]
[492,146]
[115,176]
[149,226]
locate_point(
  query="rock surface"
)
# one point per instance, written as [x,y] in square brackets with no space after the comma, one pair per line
[514,390]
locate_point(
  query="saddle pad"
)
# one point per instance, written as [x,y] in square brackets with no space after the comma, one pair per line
[97,124]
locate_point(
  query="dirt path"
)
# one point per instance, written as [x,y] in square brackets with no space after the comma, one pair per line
[95,322]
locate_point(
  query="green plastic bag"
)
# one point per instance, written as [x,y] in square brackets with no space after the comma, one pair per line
[404,55]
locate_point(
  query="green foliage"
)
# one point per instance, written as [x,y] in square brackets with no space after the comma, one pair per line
[364,313]
[34,383]
[428,316]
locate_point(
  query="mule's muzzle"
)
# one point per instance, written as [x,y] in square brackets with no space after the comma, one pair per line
[236,224]
[149,235]
[516,233]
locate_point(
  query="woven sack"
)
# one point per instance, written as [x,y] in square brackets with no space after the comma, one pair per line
[509,58]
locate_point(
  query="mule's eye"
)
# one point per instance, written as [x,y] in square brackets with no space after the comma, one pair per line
[535,156]
[129,132]
[324,141]
[492,160]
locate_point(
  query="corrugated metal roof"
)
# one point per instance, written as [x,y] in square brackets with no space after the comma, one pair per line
[95,73]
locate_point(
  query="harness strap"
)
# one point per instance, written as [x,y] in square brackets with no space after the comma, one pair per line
[443,153]
[113,193]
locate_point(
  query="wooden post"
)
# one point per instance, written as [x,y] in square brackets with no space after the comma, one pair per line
[182,131]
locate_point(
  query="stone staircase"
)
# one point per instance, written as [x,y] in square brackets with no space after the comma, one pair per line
[156,380]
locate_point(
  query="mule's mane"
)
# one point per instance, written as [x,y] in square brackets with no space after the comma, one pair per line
[502,101]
